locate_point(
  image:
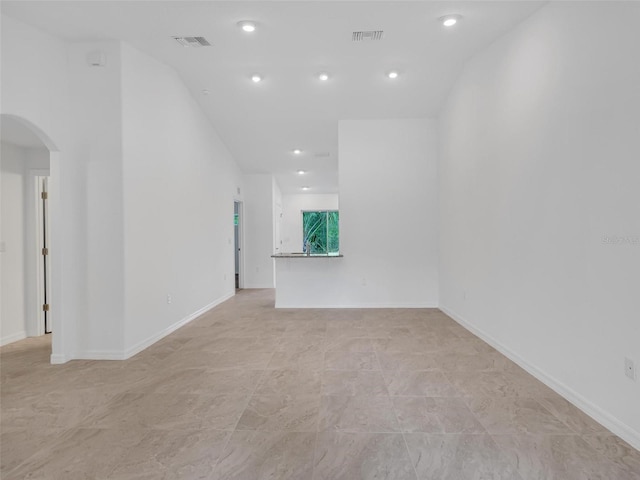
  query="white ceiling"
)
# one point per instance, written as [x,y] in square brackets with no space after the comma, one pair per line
[262,123]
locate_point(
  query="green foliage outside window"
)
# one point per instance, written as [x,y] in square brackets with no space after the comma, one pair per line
[321,230]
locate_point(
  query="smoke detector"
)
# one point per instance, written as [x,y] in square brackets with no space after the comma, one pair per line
[192,41]
[367,36]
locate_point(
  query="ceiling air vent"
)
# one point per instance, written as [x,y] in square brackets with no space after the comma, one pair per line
[367,36]
[192,41]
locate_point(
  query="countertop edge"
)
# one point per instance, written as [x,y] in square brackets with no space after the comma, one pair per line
[284,255]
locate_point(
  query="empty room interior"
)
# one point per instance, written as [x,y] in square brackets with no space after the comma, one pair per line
[320,240]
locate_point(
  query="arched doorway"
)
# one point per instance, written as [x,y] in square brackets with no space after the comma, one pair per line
[29,282]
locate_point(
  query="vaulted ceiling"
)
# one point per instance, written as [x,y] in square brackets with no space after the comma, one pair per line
[262,123]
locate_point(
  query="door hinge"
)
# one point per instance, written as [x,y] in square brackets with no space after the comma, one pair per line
[44,195]
[45,307]
[45,251]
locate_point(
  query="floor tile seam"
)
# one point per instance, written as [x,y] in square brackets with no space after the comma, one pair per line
[395,414]
[273,430]
[37,452]
[235,427]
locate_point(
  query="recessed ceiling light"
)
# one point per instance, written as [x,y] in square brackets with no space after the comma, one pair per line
[323,76]
[301,172]
[392,74]
[297,151]
[247,26]
[205,92]
[305,188]
[450,20]
[255,78]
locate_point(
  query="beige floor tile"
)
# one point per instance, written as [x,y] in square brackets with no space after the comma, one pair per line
[60,408]
[252,455]
[265,343]
[459,457]
[18,444]
[301,342]
[616,450]
[357,414]
[362,456]
[497,384]
[559,457]
[304,358]
[402,345]
[202,381]
[408,361]
[354,382]
[419,383]
[515,415]
[80,454]
[435,415]
[348,344]
[250,360]
[170,411]
[297,329]
[343,360]
[291,413]
[244,390]
[289,382]
[173,454]
[570,415]
[477,362]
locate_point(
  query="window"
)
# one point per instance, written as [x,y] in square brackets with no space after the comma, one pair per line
[321,230]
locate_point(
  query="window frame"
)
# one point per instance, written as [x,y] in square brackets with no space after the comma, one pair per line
[327,211]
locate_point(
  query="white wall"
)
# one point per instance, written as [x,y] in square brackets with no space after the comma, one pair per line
[258,232]
[539,163]
[388,218]
[12,225]
[97,128]
[293,206]
[179,186]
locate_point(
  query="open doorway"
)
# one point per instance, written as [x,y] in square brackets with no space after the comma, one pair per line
[237,244]
[25,278]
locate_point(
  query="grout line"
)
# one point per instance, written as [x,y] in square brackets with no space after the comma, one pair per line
[235,427]
[393,409]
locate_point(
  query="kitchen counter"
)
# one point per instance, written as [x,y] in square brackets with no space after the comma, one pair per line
[304,255]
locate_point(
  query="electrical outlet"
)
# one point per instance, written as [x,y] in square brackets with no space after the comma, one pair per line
[169,299]
[629,368]
[363,282]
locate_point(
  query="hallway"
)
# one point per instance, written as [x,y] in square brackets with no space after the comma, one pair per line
[249,392]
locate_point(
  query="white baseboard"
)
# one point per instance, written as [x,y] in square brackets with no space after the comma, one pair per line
[362,305]
[601,416]
[57,359]
[99,355]
[138,347]
[14,337]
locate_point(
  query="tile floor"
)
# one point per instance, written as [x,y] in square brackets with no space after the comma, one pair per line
[247,392]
